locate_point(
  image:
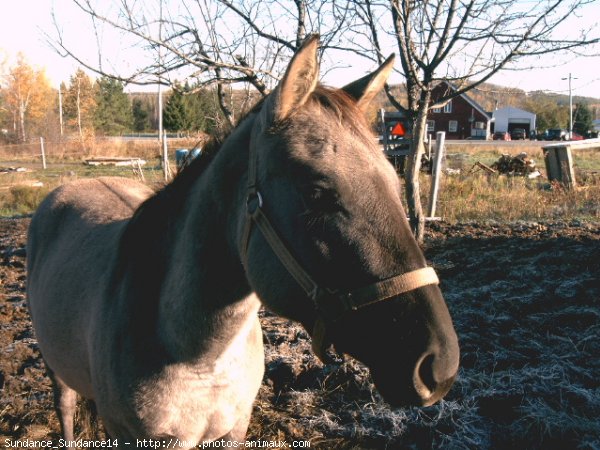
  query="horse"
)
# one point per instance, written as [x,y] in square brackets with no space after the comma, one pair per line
[146,303]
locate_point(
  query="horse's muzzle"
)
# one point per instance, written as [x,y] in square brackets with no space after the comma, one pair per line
[429,381]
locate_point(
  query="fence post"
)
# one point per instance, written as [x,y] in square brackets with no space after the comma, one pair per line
[429,144]
[559,164]
[436,171]
[43,153]
[166,168]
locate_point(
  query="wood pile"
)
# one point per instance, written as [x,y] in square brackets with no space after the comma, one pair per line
[114,161]
[511,165]
[516,165]
[4,170]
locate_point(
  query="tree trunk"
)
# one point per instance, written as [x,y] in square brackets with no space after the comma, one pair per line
[22,109]
[225,110]
[301,30]
[413,168]
[79,109]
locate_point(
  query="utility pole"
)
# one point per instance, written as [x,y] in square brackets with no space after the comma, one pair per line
[60,110]
[570,105]
[162,135]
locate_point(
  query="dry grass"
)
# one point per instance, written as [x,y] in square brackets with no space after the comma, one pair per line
[20,200]
[476,195]
[76,150]
[467,196]
[505,198]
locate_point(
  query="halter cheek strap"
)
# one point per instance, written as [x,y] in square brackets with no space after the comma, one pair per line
[330,304]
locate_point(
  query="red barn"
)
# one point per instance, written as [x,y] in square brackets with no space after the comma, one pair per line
[461,118]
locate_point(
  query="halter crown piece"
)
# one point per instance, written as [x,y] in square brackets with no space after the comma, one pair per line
[330,304]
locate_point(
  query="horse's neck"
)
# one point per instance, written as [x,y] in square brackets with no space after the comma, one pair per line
[204,292]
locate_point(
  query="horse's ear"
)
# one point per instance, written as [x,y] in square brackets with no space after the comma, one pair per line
[366,88]
[300,79]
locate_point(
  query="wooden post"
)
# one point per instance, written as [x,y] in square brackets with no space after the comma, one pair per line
[60,111]
[429,144]
[43,153]
[166,169]
[141,172]
[384,131]
[436,172]
[559,164]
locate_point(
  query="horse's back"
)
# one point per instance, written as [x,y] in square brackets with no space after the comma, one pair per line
[71,247]
[70,214]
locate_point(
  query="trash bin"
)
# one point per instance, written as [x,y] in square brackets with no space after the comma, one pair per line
[180,157]
[183,156]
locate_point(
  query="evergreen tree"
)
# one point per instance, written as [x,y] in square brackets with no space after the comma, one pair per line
[113,114]
[196,108]
[188,109]
[582,119]
[141,116]
[175,113]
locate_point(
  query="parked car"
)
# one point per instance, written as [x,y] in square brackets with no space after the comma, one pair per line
[576,136]
[518,133]
[501,136]
[556,134]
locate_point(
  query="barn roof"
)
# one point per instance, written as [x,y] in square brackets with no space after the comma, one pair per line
[468,99]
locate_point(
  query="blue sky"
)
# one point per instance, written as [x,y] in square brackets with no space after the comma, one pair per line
[25,21]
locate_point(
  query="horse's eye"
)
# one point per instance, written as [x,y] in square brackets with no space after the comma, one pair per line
[322,200]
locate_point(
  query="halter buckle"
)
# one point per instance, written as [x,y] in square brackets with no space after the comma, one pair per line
[331,304]
[347,300]
[254,202]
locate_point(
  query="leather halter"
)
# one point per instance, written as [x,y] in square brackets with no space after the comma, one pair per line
[330,304]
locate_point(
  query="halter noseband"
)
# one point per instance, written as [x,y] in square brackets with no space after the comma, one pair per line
[338,302]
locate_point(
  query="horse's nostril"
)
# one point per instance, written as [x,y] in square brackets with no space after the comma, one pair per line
[425,382]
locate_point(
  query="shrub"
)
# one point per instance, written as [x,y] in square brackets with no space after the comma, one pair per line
[20,200]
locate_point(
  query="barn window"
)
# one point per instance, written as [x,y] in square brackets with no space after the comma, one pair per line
[430,126]
[452,126]
[448,107]
[480,125]
[437,110]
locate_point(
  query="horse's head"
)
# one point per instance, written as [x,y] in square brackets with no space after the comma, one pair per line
[327,242]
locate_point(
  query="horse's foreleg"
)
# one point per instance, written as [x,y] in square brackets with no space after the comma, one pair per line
[65,402]
[238,433]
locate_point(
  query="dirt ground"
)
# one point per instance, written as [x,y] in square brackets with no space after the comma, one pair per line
[525,299]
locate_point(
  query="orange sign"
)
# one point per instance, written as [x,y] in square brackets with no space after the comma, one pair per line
[398,130]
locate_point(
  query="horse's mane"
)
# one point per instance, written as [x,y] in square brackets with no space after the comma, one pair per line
[152,216]
[143,244]
[152,219]
[171,196]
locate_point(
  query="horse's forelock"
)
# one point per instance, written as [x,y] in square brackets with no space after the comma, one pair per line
[339,102]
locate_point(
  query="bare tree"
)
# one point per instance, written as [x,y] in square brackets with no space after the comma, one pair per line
[465,42]
[222,42]
[213,43]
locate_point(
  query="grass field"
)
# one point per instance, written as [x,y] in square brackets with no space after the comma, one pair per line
[469,195]
[476,195]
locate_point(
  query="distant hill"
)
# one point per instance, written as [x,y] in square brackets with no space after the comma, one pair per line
[492,96]
[489,96]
